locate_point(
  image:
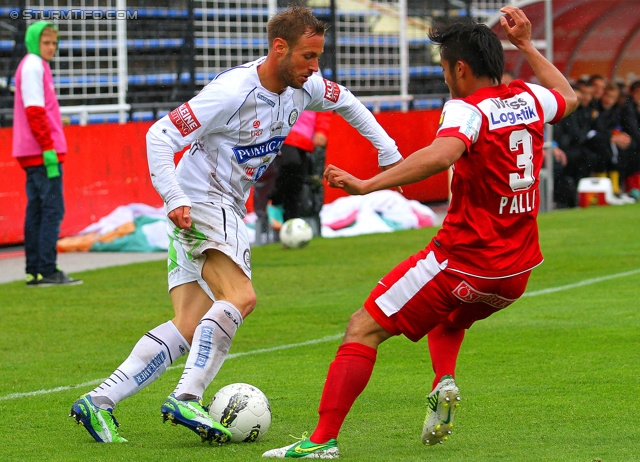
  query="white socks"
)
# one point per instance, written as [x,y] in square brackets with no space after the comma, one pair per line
[211,343]
[160,347]
[150,357]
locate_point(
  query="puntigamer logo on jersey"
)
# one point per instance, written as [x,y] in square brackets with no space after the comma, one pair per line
[271,146]
[184,119]
[521,109]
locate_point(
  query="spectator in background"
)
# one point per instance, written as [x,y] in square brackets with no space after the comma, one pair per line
[632,183]
[634,95]
[628,124]
[607,138]
[39,145]
[598,83]
[623,95]
[586,89]
[573,161]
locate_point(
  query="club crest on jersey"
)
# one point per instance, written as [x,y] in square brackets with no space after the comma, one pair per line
[521,109]
[184,119]
[331,91]
[293,116]
[246,153]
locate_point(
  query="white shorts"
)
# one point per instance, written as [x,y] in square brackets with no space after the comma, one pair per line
[214,226]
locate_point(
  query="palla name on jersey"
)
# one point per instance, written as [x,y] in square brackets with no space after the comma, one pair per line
[520,203]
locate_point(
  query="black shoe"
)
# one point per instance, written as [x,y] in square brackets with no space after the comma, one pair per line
[59,278]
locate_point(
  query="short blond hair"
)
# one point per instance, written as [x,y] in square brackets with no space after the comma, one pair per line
[293,23]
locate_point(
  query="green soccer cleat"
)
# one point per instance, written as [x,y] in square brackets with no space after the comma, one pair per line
[306,449]
[194,416]
[442,404]
[100,423]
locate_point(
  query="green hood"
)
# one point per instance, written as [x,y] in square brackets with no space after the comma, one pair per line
[32,37]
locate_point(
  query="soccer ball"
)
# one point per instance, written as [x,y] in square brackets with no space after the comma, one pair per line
[243,409]
[295,233]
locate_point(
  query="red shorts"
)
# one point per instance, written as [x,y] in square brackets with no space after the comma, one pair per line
[421,293]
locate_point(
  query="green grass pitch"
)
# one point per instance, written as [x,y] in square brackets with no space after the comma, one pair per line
[555,377]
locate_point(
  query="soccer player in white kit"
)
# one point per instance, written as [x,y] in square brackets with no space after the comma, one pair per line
[235,127]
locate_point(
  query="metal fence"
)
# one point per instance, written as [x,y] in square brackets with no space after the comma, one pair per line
[134,59]
[123,60]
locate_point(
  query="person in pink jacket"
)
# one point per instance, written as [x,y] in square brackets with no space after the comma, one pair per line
[39,146]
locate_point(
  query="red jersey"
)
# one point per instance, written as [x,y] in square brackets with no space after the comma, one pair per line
[490,229]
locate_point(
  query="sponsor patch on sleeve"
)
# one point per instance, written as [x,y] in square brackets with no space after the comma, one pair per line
[460,120]
[331,91]
[184,119]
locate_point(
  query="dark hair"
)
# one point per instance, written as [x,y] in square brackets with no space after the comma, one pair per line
[595,77]
[584,83]
[612,86]
[463,39]
[293,23]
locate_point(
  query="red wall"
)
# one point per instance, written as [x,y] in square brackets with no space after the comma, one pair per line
[106,167]
[411,131]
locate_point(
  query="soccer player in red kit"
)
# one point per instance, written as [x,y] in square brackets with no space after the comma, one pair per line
[479,262]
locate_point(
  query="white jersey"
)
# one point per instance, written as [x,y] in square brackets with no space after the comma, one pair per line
[236,128]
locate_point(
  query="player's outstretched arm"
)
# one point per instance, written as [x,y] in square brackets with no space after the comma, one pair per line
[423,163]
[518,29]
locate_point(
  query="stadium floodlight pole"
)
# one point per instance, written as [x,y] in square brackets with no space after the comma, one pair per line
[404,54]
[121,33]
[547,206]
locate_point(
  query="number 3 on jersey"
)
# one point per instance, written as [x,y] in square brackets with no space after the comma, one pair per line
[522,142]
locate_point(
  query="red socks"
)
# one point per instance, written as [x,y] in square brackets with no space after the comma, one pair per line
[351,370]
[444,346]
[348,376]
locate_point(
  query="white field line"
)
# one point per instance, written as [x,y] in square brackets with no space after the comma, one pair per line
[586,282]
[91,383]
[328,338]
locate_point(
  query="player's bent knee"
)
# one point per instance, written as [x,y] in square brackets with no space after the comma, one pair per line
[244,299]
[362,328]
[247,305]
